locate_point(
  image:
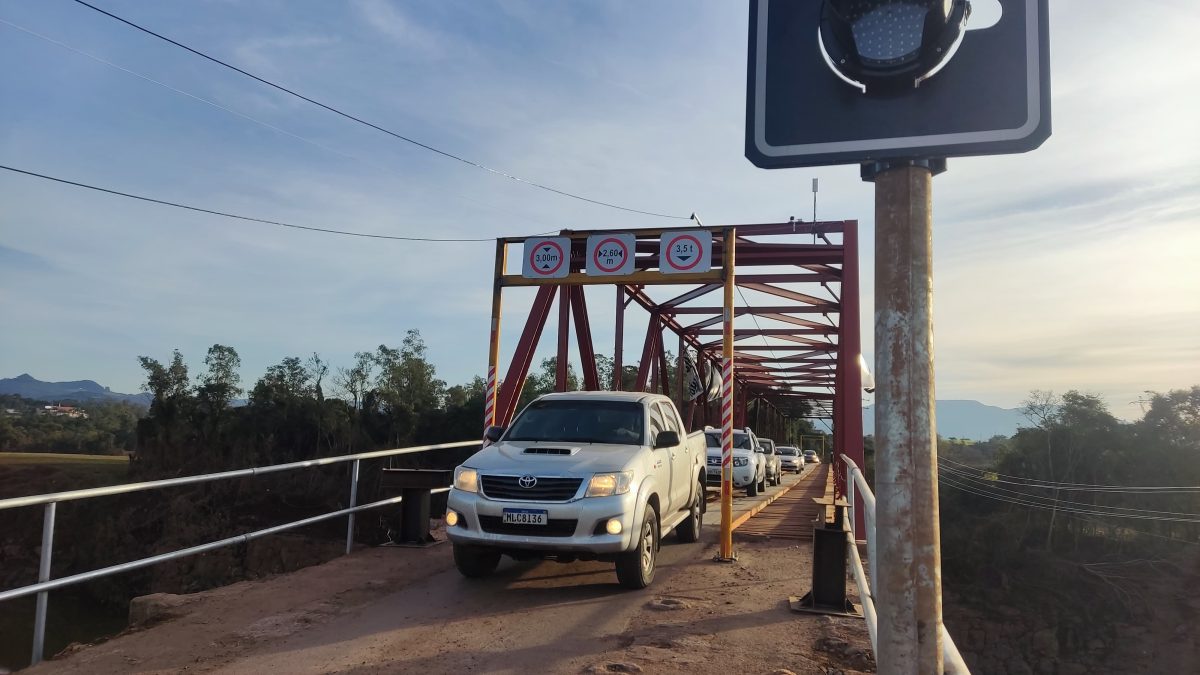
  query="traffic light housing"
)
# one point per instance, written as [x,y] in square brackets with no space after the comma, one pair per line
[890,46]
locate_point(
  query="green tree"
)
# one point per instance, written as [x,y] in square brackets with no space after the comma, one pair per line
[406,385]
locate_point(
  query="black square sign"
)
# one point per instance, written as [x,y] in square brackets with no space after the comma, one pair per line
[991,97]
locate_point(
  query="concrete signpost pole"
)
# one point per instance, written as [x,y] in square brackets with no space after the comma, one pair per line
[726,549]
[909,579]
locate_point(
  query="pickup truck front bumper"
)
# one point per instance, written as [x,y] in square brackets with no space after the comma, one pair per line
[575,526]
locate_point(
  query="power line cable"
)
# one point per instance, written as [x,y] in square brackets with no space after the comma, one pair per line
[1020,502]
[240,217]
[237,113]
[377,127]
[984,485]
[1072,514]
[1133,490]
[1034,482]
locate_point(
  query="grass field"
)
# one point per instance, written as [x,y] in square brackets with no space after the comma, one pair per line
[9,458]
[31,473]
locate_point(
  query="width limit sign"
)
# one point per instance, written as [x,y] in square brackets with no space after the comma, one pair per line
[685,251]
[610,254]
[546,258]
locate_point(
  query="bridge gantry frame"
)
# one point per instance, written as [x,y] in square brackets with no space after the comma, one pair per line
[800,356]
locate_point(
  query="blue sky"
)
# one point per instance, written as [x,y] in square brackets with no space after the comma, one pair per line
[1070,267]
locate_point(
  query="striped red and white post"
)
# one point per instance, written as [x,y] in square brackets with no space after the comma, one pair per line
[726,429]
[489,400]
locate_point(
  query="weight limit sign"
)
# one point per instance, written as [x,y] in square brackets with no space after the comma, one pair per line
[685,252]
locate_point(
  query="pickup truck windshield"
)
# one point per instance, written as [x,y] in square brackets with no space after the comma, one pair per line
[581,421]
[739,440]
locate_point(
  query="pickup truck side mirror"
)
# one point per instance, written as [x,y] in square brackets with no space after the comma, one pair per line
[666,439]
[493,434]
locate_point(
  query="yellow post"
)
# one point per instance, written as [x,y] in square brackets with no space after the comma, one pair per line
[490,408]
[726,552]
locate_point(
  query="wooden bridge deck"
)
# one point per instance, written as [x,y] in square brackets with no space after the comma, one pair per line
[792,514]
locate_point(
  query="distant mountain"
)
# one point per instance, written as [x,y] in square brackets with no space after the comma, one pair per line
[80,390]
[965,419]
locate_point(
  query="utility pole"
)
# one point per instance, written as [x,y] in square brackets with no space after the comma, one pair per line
[909,578]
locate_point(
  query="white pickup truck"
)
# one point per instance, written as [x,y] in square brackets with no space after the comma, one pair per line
[580,476]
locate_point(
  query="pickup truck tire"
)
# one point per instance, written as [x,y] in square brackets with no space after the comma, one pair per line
[475,562]
[635,569]
[762,487]
[752,489]
[689,530]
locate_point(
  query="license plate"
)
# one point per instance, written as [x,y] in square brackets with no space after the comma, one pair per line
[524,517]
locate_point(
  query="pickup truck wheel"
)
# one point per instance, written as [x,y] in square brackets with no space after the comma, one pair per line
[474,562]
[762,487]
[689,530]
[635,569]
[752,489]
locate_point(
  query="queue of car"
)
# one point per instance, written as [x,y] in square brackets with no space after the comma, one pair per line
[597,476]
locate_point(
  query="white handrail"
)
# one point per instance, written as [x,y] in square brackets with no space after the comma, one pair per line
[51,500]
[952,660]
[123,488]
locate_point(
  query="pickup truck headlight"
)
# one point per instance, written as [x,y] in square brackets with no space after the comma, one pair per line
[466,479]
[609,484]
[741,461]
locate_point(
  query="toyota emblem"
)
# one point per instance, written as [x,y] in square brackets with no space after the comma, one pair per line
[527,481]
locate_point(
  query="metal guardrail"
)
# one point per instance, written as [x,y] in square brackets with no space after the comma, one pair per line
[50,501]
[952,660]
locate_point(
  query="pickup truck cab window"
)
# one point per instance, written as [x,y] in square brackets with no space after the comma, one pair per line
[573,421]
[672,420]
[656,423]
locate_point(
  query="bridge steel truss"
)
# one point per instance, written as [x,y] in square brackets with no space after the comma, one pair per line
[800,357]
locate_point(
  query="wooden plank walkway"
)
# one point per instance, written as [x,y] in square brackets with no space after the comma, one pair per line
[791,516]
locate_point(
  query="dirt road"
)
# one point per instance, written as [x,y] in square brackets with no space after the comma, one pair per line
[390,610]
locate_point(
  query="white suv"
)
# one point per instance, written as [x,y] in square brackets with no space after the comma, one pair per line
[749,469]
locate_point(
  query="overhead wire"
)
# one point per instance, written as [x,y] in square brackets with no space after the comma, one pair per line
[252,219]
[229,110]
[1074,487]
[964,487]
[985,484]
[389,132]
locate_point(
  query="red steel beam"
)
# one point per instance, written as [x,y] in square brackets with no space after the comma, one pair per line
[788,293]
[583,334]
[564,332]
[848,428]
[774,309]
[643,376]
[518,370]
[618,374]
[771,332]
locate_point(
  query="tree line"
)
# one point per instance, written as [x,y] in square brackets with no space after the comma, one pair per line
[110,427]
[1082,515]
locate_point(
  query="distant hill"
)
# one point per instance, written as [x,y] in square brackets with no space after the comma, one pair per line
[965,419]
[80,390]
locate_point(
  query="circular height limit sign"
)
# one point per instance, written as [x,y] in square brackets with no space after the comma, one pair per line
[610,254]
[546,258]
[685,251]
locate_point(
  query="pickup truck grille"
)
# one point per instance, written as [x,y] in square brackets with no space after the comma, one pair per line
[714,461]
[546,490]
[560,527]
